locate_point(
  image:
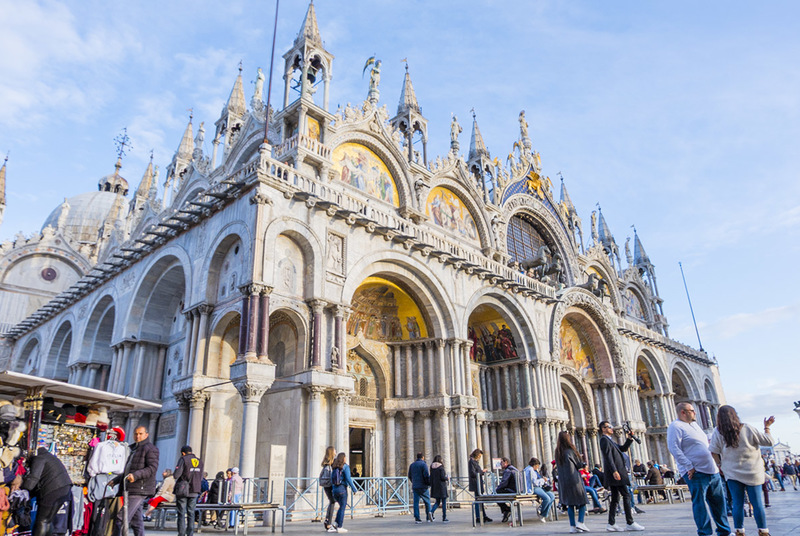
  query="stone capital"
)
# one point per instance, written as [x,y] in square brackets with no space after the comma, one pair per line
[389,413]
[317,306]
[254,289]
[196,399]
[442,413]
[342,311]
[205,309]
[425,414]
[440,343]
[408,414]
[343,395]
[251,391]
[315,391]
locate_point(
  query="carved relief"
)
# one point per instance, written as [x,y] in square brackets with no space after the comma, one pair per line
[335,253]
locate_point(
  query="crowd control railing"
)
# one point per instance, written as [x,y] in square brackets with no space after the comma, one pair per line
[304,498]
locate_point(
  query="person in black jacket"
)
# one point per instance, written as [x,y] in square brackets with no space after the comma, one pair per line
[475,472]
[188,485]
[439,480]
[420,482]
[140,481]
[507,485]
[47,480]
[616,477]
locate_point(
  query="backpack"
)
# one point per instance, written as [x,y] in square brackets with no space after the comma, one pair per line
[337,476]
[325,477]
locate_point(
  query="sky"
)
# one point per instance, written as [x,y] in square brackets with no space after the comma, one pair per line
[681,118]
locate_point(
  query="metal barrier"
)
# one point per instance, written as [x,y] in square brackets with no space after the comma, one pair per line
[305,499]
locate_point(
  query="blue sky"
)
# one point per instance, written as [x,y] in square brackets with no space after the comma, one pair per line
[681,118]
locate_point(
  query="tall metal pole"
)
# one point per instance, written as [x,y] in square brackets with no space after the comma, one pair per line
[691,309]
[271,65]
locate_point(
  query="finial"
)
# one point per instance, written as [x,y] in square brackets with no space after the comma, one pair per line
[191,113]
[5,161]
[598,207]
[151,155]
[634,229]
[240,66]
[560,176]
[123,143]
[473,113]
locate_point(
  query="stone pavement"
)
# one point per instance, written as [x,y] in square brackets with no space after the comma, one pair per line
[662,519]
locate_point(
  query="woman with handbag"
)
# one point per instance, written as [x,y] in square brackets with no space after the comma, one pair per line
[327,485]
[537,484]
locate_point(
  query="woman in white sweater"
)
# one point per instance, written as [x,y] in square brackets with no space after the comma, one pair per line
[735,447]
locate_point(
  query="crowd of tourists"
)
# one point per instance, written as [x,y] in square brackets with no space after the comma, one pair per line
[719,472]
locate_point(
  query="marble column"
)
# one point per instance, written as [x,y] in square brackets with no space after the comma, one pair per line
[441,386]
[391,449]
[525,370]
[444,437]
[418,350]
[461,441]
[472,436]
[314,426]
[338,325]
[498,384]
[456,364]
[398,372]
[548,442]
[262,347]
[192,326]
[161,363]
[251,393]
[430,358]
[138,369]
[409,362]
[427,431]
[530,438]
[317,308]
[92,376]
[494,446]
[244,321]
[491,403]
[197,405]
[410,454]
[467,368]
[122,373]
[595,445]
[202,339]
[486,444]
[507,386]
[342,431]
[541,398]
[504,433]
[253,322]
[519,451]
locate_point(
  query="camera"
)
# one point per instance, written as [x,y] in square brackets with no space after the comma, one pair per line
[626,427]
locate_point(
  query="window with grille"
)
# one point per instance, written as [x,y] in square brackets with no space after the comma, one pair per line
[524,240]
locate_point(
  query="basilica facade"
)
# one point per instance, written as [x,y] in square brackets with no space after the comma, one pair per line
[323,280]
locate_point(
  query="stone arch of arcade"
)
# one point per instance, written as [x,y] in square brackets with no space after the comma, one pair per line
[93,365]
[28,360]
[685,389]
[502,357]
[56,363]
[655,403]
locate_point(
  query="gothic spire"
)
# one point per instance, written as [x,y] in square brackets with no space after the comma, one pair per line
[187,144]
[565,199]
[236,104]
[606,238]
[640,257]
[476,145]
[147,181]
[408,99]
[310,29]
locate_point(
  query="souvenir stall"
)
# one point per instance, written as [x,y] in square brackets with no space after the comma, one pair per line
[69,421]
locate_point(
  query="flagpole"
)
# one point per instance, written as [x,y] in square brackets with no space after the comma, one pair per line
[691,308]
[271,65]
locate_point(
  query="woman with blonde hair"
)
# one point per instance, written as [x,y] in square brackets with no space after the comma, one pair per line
[736,447]
[326,484]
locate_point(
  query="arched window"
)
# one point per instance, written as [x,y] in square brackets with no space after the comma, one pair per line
[524,240]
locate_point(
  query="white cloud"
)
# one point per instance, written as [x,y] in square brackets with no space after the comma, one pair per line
[739,323]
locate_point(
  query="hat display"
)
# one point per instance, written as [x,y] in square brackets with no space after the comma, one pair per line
[120,433]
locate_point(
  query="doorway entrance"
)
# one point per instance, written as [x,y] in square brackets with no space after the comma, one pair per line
[360,451]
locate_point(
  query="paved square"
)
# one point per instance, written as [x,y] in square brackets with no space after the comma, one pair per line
[783,518]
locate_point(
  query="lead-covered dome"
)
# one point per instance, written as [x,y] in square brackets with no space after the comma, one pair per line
[85,214]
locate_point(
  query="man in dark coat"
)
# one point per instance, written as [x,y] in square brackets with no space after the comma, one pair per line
[420,482]
[508,484]
[475,473]
[47,480]
[188,485]
[615,477]
[140,481]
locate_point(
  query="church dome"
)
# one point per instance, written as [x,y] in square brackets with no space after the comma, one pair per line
[85,215]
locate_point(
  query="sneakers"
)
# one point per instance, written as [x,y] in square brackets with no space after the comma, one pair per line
[634,527]
[614,528]
[445,520]
[331,529]
[341,529]
[573,530]
[582,527]
[638,510]
[418,521]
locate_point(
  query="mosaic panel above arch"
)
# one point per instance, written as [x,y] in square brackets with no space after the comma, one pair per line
[643,377]
[361,168]
[633,306]
[384,311]
[448,211]
[492,341]
[576,351]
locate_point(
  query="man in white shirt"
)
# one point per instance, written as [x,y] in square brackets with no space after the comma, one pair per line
[689,445]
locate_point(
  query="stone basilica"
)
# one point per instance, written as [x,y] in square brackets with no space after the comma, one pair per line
[333,284]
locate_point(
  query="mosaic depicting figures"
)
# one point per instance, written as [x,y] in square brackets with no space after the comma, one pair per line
[576,351]
[491,338]
[313,128]
[447,211]
[382,311]
[633,307]
[643,377]
[361,168]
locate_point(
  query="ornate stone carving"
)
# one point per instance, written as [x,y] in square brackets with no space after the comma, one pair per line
[250,391]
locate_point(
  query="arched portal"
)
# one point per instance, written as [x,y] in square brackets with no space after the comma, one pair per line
[364,418]
[28,361]
[96,353]
[58,357]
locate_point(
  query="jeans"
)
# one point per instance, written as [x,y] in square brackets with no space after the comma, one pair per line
[706,488]
[135,522]
[616,492]
[43,525]
[340,496]
[547,497]
[331,503]
[571,514]
[595,499]
[443,502]
[185,507]
[234,516]
[595,482]
[424,494]
[737,500]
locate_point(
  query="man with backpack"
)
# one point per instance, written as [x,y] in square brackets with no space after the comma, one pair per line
[188,485]
[420,479]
